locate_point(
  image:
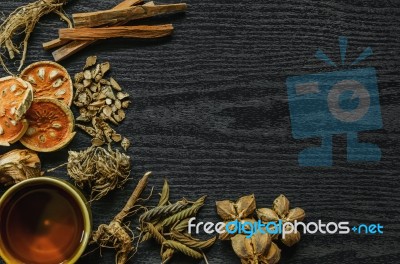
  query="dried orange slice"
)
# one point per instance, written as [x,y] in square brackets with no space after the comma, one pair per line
[16,97]
[50,80]
[51,125]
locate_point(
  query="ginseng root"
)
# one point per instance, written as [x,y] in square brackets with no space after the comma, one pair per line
[23,20]
[116,234]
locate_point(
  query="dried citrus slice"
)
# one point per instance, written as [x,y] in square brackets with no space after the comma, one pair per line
[50,80]
[16,97]
[51,125]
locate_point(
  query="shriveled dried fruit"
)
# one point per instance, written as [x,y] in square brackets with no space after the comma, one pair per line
[16,97]
[51,125]
[49,80]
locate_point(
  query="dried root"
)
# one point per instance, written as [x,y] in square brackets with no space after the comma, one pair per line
[100,169]
[23,20]
[116,234]
[18,165]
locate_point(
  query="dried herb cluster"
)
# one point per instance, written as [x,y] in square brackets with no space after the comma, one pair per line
[100,101]
[259,248]
[167,223]
[100,169]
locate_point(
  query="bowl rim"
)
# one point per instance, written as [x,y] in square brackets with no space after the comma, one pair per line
[74,193]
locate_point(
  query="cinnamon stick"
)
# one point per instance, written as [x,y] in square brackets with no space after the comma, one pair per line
[77,45]
[58,42]
[143,32]
[101,18]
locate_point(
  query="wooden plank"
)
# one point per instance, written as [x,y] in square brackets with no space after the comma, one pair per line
[143,32]
[101,18]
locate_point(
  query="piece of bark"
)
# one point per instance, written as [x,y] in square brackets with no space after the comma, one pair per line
[58,42]
[102,18]
[143,32]
[77,45]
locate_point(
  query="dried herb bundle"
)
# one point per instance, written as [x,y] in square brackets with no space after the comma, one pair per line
[167,223]
[18,165]
[101,169]
[23,20]
[259,248]
[117,235]
[99,104]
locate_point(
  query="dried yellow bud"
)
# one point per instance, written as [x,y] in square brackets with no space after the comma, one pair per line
[291,238]
[226,210]
[281,205]
[273,255]
[267,215]
[295,214]
[245,206]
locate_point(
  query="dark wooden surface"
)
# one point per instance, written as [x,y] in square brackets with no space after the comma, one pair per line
[210,113]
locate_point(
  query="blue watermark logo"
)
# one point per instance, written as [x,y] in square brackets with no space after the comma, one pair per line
[339,102]
[252,227]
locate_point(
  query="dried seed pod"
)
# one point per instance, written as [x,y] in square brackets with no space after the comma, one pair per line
[291,238]
[245,206]
[226,210]
[267,215]
[273,255]
[281,205]
[90,61]
[296,214]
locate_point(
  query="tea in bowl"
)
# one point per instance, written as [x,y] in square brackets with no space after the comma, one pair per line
[43,221]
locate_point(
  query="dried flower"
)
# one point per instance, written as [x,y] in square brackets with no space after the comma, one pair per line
[280,211]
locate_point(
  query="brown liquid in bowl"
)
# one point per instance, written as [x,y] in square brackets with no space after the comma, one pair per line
[41,224]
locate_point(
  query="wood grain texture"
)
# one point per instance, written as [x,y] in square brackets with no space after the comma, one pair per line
[210,113]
